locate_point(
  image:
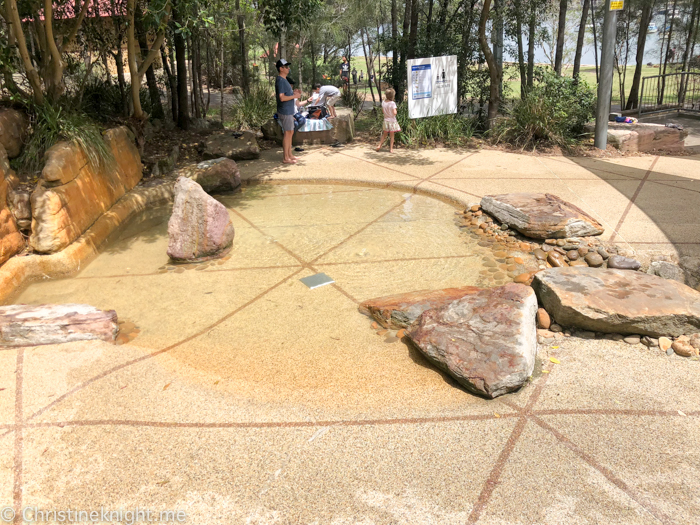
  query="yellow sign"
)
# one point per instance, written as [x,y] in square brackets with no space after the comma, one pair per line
[616,5]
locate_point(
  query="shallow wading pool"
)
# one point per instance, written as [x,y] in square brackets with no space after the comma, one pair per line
[244,327]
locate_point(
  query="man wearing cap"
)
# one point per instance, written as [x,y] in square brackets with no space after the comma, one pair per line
[285,108]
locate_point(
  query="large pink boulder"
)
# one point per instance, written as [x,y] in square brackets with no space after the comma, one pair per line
[487,341]
[14,127]
[200,227]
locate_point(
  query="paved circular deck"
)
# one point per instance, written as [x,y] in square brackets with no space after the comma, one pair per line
[609,435]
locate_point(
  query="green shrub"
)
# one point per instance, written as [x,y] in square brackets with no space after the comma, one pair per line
[51,124]
[553,112]
[352,99]
[451,129]
[253,111]
[102,100]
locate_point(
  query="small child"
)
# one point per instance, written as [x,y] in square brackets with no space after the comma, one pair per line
[391,125]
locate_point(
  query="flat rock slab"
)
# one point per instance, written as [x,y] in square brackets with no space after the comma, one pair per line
[487,341]
[541,215]
[242,147]
[200,227]
[401,310]
[29,325]
[618,301]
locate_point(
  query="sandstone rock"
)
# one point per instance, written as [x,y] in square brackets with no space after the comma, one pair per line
[63,213]
[14,126]
[62,163]
[651,342]
[11,240]
[200,226]
[618,301]
[594,260]
[582,251]
[28,325]
[243,147]
[695,341]
[343,131]
[632,339]
[540,254]
[541,215]
[543,319]
[556,259]
[578,262]
[214,176]
[684,349]
[554,327]
[573,255]
[401,310]
[665,343]
[603,252]
[623,263]
[20,204]
[666,270]
[487,341]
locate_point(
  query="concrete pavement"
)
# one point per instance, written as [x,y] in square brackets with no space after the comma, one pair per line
[266,403]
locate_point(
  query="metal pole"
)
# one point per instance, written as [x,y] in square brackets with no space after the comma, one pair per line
[605,82]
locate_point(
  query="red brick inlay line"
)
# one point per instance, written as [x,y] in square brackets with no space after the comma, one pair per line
[641,500]
[497,471]
[18,466]
[634,198]
[269,424]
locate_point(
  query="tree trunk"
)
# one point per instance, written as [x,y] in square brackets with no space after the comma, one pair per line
[394,47]
[153,92]
[429,25]
[172,81]
[313,63]
[668,46]
[367,63]
[531,37]
[494,73]
[283,43]
[561,33]
[119,61]
[183,116]
[627,52]
[402,51]
[413,34]
[581,37]
[240,19]
[221,78]
[521,51]
[595,40]
[32,74]
[689,38]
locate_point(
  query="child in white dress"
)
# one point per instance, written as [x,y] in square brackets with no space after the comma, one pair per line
[391,125]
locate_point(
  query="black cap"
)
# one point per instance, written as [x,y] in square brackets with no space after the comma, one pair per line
[282,62]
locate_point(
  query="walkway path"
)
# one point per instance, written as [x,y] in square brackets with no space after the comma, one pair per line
[607,435]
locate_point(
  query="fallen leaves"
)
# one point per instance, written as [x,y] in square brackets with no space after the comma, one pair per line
[555,360]
[167,386]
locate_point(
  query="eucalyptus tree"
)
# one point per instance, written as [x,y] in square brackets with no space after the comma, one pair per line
[49,42]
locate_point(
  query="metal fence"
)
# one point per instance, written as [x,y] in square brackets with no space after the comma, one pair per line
[670,92]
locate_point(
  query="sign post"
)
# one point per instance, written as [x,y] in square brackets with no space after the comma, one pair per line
[605,81]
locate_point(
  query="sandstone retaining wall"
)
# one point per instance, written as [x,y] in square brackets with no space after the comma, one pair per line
[11,240]
[71,195]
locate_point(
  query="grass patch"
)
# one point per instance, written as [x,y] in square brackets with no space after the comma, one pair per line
[452,129]
[51,124]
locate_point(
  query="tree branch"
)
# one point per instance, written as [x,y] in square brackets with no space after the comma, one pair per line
[77,25]
[32,74]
